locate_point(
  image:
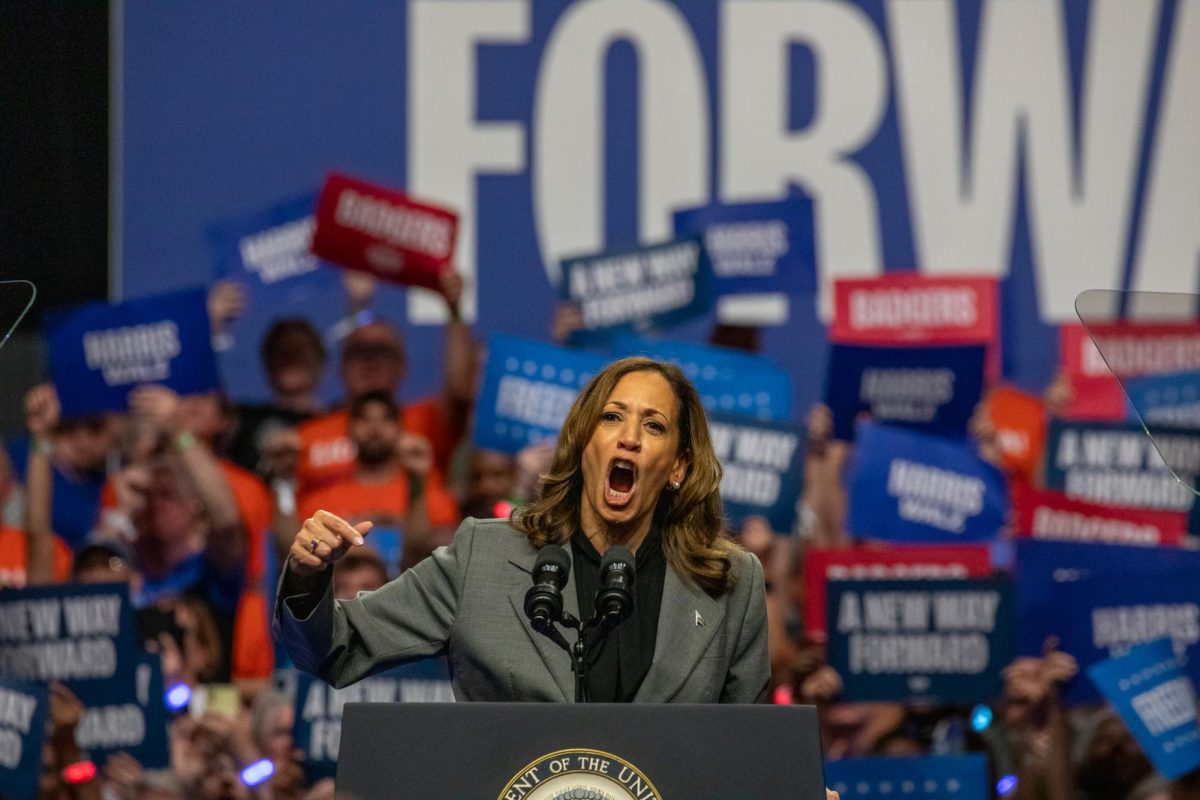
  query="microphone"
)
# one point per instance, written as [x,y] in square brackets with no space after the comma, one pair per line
[544,600]
[614,601]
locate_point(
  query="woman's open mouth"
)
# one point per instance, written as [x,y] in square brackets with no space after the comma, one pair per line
[622,479]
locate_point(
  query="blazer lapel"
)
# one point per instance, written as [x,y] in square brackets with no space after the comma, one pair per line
[558,662]
[687,622]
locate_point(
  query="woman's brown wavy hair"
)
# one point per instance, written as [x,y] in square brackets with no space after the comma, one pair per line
[693,531]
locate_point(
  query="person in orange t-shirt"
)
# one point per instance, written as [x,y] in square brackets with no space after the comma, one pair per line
[373,360]
[393,485]
[13,560]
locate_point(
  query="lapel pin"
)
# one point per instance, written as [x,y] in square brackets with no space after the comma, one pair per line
[699,620]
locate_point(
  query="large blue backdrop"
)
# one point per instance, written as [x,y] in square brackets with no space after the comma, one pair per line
[1050,145]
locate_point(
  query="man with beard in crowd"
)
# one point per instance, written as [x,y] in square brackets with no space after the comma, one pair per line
[394,485]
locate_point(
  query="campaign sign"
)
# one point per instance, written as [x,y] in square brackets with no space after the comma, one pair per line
[756,247]
[83,635]
[1100,600]
[910,308]
[383,232]
[1117,463]
[528,388]
[762,468]
[915,308]
[1046,514]
[1019,420]
[648,288]
[318,726]
[269,249]
[1095,357]
[941,641]
[270,255]
[99,352]
[23,710]
[1157,701]
[1095,391]
[1171,399]
[910,486]
[153,751]
[934,389]
[895,562]
[963,777]
[728,381]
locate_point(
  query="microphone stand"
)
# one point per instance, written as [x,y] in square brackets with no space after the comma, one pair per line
[587,636]
[576,651]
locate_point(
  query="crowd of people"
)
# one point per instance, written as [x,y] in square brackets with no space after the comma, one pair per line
[193,501]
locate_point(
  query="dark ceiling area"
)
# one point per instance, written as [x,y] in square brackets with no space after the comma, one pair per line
[54,139]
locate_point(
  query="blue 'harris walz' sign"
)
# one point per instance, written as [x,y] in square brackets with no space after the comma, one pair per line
[269,254]
[933,389]
[1099,600]
[756,247]
[923,488]
[99,352]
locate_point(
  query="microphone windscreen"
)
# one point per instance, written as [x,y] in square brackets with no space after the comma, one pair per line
[614,555]
[553,555]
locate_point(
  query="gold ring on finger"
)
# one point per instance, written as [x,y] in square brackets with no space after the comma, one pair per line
[312,546]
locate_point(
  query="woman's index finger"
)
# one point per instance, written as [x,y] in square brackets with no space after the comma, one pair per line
[339,527]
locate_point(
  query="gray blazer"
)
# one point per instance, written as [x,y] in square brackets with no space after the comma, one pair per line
[467,601]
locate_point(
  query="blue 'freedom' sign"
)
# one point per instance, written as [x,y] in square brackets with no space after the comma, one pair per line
[1157,700]
[528,388]
[962,777]
[99,352]
[729,381]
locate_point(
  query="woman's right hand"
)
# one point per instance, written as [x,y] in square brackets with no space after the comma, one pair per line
[322,540]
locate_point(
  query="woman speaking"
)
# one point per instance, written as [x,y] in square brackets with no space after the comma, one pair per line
[634,467]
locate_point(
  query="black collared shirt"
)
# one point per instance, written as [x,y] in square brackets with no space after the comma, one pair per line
[618,664]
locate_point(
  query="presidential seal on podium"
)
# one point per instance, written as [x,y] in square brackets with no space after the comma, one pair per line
[580,774]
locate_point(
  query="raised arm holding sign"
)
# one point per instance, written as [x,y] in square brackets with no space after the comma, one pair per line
[383,232]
